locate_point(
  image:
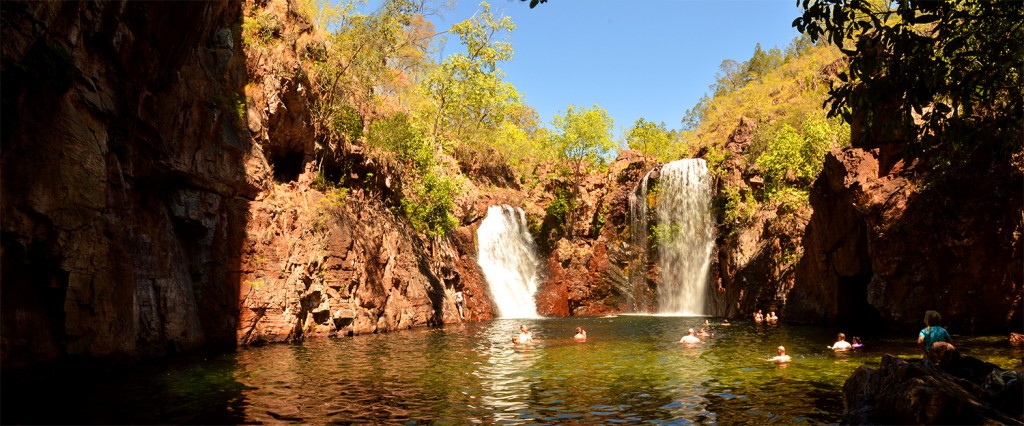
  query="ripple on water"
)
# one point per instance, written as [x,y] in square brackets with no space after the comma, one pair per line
[630,371]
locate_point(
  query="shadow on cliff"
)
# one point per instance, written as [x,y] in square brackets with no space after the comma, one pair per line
[124,187]
[895,234]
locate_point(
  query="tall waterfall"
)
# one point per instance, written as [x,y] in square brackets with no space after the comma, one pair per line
[508,258]
[685,236]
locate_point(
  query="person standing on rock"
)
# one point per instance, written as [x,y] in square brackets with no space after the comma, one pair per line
[932,333]
[459,301]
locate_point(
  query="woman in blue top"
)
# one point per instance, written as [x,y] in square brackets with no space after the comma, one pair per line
[932,332]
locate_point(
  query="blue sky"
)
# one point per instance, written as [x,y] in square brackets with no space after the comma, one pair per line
[636,58]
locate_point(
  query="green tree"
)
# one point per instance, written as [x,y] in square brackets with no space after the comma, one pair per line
[582,136]
[953,63]
[794,158]
[467,88]
[653,140]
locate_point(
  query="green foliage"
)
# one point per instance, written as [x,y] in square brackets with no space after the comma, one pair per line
[790,199]
[583,135]
[561,207]
[261,29]
[654,140]
[953,63]
[347,122]
[234,106]
[739,207]
[401,136]
[795,158]
[429,204]
[467,90]
[790,92]
[364,61]
[664,233]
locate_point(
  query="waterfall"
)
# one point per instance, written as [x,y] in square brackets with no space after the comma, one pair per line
[685,236]
[507,256]
[638,298]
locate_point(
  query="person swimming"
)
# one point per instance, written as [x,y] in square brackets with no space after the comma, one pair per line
[581,335]
[690,337]
[856,343]
[525,336]
[704,333]
[841,344]
[781,357]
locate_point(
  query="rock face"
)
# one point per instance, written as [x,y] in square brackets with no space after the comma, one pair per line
[755,266]
[158,193]
[587,274]
[124,190]
[335,260]
[880,247]
[958,390]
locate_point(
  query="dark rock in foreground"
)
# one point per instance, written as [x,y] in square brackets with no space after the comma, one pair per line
[958,390]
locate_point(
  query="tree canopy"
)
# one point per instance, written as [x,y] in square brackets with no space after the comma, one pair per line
[920,67]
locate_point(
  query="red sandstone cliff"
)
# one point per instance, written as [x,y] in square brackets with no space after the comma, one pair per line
[892,237]
[124,192]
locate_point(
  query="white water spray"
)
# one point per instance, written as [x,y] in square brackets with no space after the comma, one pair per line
[685,237]
[508,258]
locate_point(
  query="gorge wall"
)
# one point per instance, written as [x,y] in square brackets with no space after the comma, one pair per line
[157,193]
[124,186]
[893,236]
[162,192]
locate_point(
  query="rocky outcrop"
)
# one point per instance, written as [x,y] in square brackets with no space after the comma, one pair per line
[331,264]
[755,266]
[159,192]
[891,238]
[958,390]
[123,178]
[588,274]
[329,258]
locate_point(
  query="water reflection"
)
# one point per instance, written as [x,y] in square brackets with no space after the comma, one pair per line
[631,369]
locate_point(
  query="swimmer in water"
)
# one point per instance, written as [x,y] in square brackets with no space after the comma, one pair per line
[525,336]
[690,337]
[841,344]
[581,335]
[781,357]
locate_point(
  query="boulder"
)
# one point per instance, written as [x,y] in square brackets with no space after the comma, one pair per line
[958,389]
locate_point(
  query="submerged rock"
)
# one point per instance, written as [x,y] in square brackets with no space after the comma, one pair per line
[958,389]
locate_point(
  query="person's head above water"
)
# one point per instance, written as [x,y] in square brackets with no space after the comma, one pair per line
[781,350]
[522,328]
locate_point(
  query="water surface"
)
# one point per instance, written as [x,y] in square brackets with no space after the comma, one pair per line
[630,371]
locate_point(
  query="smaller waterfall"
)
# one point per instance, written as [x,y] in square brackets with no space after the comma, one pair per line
[638,298]
[686,237]
[507,256]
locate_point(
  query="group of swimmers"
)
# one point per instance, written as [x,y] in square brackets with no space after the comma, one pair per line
[770,319]
[525,336]
[933,339]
